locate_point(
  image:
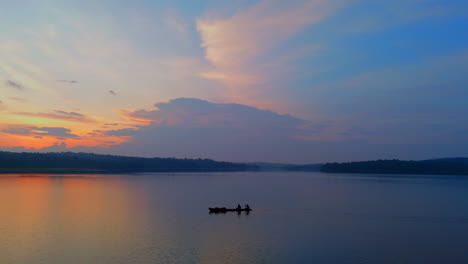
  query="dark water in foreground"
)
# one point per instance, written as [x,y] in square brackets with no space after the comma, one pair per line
[297,218]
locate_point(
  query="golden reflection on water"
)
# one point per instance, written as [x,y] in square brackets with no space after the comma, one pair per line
[109,219]
[23,212]
[83,217]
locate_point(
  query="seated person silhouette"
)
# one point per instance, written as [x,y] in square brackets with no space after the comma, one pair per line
[247,207]
[238,207]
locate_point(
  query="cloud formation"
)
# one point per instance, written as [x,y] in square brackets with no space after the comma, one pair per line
[68,81]
[61,115]
[112,92]
[187,127]
[14,85]
[38,132]
[176,23]
[237,46]
[194,128]
[18,99]
[287,56]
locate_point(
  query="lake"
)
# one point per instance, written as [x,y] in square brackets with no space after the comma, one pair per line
[297,218]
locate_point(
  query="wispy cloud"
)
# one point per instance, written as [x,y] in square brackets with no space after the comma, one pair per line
[67,81]
[18,99]
[14,85]
[138,116]
[38,131]
[41,138]
[236,46]
[61,115]
[112,92]
[176,23]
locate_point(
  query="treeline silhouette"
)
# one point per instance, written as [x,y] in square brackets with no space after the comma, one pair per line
[447,166]
[76,162]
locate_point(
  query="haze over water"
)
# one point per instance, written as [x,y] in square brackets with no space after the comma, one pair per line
[297,218]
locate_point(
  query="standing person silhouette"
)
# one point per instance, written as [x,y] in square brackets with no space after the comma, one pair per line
[247,207]
[238,207]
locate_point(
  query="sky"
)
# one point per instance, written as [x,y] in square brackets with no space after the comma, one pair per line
[303,81]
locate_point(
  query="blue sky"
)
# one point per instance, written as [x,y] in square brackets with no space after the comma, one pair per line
[340,80]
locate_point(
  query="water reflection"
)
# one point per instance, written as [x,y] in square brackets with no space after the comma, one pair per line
[298,218]
[72,219]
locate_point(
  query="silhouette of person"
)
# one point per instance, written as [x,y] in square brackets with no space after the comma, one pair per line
[247,207]
[238,207]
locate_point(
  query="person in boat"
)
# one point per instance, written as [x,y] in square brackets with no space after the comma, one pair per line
[247,207]
[238,207]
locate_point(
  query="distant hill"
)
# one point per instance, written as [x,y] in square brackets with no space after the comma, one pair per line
[266,166]
[86,162]
[69,162]
[454,160]
[445,166]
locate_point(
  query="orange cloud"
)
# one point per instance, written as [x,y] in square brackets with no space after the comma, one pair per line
[37,137]
[38,131]
[9,141]
[33,141]
[137,116]
[61,115]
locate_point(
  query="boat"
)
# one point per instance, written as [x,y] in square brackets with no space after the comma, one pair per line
[225,210]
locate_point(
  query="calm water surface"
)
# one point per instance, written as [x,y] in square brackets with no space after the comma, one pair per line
[297,218]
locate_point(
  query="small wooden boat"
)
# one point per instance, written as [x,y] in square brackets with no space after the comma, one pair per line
[225,210]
